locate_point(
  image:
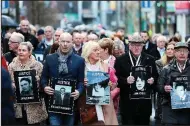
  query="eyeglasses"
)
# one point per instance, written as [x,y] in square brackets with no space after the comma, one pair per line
[182,51]
[12,41]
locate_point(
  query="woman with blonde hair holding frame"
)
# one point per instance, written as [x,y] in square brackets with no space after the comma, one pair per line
[91,54]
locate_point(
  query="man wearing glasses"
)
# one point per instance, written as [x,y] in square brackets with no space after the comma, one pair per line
[180,66]
[14,41]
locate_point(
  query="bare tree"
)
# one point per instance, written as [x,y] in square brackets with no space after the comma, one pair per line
[38,13]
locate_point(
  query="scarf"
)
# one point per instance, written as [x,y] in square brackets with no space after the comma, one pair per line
[63,68]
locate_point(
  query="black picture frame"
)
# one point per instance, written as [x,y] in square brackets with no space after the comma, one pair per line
[180,93]
[27,90]
[140,89]
[65,106]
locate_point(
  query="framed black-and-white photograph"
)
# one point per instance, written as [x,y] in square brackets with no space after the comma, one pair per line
[180,94]
[26,87]
[61,101]
[98,90]
[140,89]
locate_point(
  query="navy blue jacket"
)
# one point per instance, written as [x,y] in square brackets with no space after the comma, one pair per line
[75,63]
[7,97]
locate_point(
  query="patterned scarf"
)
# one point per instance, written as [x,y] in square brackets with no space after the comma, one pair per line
[63,68]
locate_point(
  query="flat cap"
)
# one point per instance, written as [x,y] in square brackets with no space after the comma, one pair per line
[181,45]
[136,39]
[40,32]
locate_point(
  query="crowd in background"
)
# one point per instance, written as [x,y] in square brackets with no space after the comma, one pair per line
[70,53]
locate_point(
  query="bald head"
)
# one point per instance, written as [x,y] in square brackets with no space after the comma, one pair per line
[57,34]
[92,37]
[24,26]
[65,43]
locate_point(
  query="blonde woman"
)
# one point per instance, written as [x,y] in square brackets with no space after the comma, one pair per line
[166,59]
[27,113]
[91,54]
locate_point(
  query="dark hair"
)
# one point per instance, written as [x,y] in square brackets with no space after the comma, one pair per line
[173,38]
[141,75]
[120,28]
[25,79]
[54,48]
[180,84]
[75,31]
[93,32]
[62,88]
[145,32]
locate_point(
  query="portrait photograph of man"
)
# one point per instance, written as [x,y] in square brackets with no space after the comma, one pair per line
[180,92]
[62,95]
[25,84]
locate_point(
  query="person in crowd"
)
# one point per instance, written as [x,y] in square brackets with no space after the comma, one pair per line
[24,30]
[92,36]
[173,40]
[32,30]
[27,113]
[55,45]
[118,48]
[120,32]
[7,99]
[106,54]
[49,31]
[178,36]
[67,63]
[161,42]
[149,47]
[166,59]
[4,63]
[5,41]
[84,36]
[180,66]
[138,111]
[77,39]
[40,36]
[53,48]
[91,53]
[154,38]
[14,41]
[39,51]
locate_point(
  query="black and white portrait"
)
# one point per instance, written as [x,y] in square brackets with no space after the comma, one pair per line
[39,57]
[140,83]
[98,90]
[62,95]
[140,89]
[180,92]
[25,84]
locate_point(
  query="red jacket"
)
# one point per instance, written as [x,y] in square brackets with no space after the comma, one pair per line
[4,63]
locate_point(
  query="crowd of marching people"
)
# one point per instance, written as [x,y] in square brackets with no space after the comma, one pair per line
[70,54]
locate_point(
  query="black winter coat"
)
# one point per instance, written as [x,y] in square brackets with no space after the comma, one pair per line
[152,50]
[29,37]
[123,68]
[181,116]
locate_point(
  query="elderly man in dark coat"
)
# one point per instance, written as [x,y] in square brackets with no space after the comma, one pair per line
[180,66]
[134,111]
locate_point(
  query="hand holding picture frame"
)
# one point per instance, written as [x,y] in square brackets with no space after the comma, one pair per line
[61,101]
[26,87]
[140,89]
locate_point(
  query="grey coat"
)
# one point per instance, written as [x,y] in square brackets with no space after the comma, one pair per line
[170,116]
